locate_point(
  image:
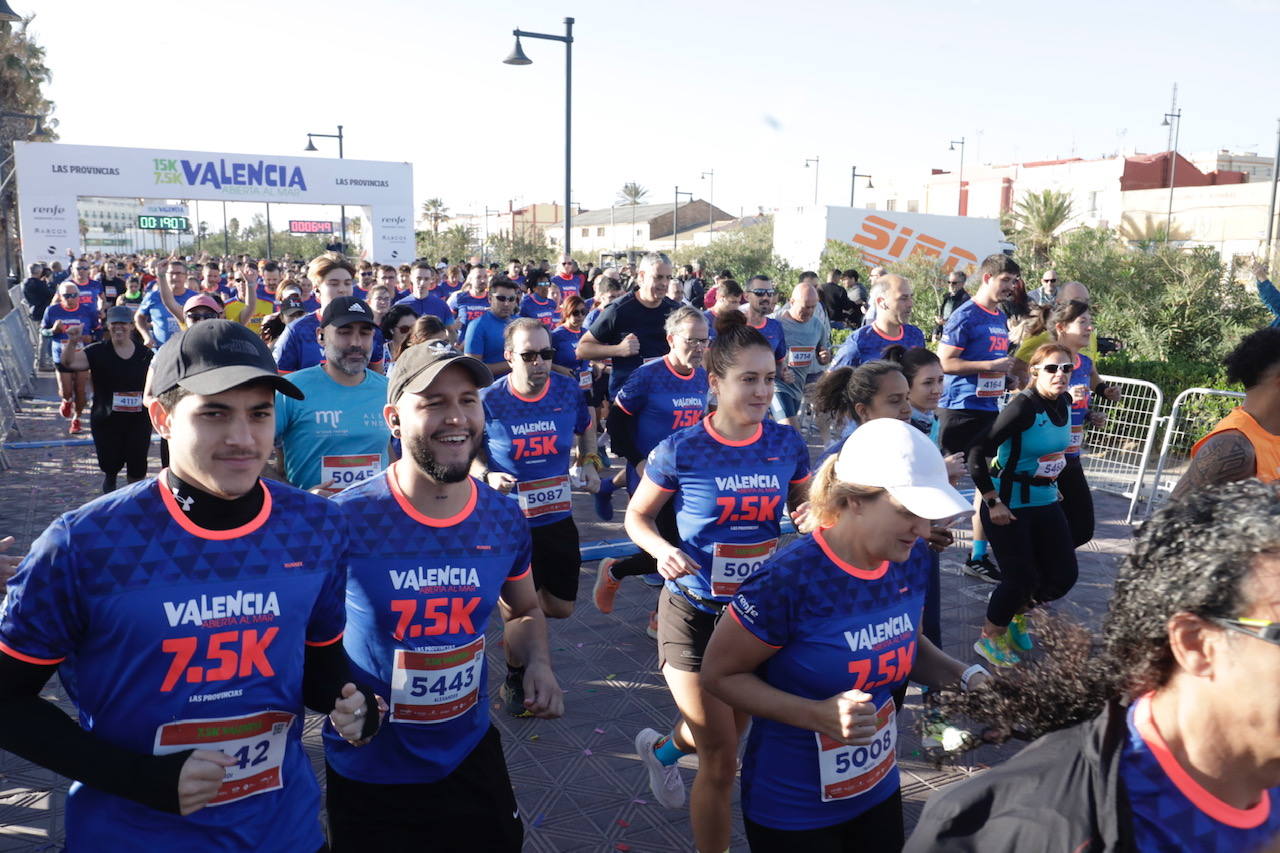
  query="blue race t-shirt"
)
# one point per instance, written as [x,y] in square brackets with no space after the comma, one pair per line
[1172,813]
[89,292]
[429,304]
[163,324]
[866,343]
[299,346]
[531,438]
[542,310]
[445,290]
[980,335]
[179,638]
[571,286]
[83,320]
[468,307]
[836,627]
[729,500]
[420,592]
[772,331]
[662,401]
[337,433]
[484,338]
[565,342]
[1081,375]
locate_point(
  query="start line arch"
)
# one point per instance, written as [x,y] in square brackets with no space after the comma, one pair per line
[51,177]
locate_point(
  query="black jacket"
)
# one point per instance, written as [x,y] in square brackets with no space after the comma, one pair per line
[1062,794]
[38,293]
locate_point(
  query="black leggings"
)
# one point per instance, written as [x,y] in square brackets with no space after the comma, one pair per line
[642,563]
[1037,559]
[122,441]
[877,829]
[1077,502]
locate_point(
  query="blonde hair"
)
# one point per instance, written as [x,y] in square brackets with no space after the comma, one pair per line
[321,265]
[828,496]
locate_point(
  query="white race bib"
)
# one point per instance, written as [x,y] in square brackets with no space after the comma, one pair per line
[800,356]
[1050,465]
[584,379]
[540,497]
[344,471]
[848,771]
[731,564]
[126,401]
[1077,439]
[990,384]
[256,741]
[433,687]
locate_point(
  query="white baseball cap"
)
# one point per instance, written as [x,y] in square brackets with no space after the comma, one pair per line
[893,455]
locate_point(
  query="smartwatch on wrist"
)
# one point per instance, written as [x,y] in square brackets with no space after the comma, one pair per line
[970,673]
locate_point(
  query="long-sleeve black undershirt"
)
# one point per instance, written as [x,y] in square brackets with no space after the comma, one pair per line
[1016,417]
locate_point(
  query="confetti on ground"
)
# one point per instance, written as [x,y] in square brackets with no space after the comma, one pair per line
[641,802]
[534,737]
[623,823]
[621,846]
[610,676]
[599,731]
[586,752]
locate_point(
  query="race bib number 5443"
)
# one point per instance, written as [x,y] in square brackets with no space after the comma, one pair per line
[432,687]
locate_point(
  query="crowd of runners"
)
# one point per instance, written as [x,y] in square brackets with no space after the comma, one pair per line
[362,464]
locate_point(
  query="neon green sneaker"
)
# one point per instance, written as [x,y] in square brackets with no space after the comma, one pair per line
[1020,633]
[996,651]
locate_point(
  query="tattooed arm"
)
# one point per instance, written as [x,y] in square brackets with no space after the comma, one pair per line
[1225,458]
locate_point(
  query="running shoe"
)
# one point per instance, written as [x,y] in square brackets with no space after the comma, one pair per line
[1020,633]
[652,628]
[604,500]
[943,738]
[512,695]
[664,781]
[606,586]
[75,427]
[982,568]
[653,579]
[66,409]
[996,651]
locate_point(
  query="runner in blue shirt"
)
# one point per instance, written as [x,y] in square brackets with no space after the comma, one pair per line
[537,305]
[155,322]
[299,346]
[975,357]
[82,278]
[65,322]
[439,555]
[762,298]
[659,398]
[564,339]
[422,300]
[821,637]
[568,279]
[730,476]
[470,303]
[335,437]
[484,339]
[894,300]
[192,617]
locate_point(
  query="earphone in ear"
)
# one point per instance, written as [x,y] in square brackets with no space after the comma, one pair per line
[395,421]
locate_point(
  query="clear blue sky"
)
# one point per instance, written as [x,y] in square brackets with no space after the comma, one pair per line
[663,90]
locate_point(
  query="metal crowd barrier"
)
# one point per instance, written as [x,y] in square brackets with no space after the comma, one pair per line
[1194,413]
[1116,454]
[19,343]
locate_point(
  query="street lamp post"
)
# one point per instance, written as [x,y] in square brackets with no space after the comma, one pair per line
[814,161]
[675,222]
[711,200]
[484,247]
[1275,180]
[960,189]
[342,209]
[1174,118]
[37,135]
[853,182]
[517,57]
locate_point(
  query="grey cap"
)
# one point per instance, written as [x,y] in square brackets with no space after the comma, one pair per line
[419,365]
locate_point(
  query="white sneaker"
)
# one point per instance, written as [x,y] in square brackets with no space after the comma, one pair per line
[665,782]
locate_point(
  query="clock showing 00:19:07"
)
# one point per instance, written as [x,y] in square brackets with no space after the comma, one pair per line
[163,223]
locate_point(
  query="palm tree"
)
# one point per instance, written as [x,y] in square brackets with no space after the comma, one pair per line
[632,193]
[1037,218]
[434,209]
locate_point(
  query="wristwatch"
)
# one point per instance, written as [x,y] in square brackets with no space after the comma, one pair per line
[970,673]
[992,503]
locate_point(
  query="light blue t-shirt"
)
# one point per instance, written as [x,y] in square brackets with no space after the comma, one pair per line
[484,337]
[337,433]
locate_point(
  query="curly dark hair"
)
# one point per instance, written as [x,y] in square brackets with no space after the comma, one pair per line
[1193,556]
[1253,357]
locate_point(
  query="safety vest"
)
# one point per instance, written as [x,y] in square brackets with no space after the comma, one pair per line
[1266,447]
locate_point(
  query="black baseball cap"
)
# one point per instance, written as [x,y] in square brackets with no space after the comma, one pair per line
[292,304]
[346,310]
[419,365]
[213,356]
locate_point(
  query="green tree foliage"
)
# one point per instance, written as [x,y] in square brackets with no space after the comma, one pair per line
[456,244]
[435,212]
[744,252]
[632,193]
[531,245]
[1036,220]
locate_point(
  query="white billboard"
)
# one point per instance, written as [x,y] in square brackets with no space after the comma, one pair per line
[51,176]
[884,237]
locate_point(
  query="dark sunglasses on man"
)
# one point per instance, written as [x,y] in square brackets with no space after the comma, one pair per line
[533,355]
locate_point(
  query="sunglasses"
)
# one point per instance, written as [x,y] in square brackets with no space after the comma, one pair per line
[1054,368]
[82,269]
[1049,280]
[1259,629]
[504,298]
[694,342]
[544,354]
[404,330]
[763,292]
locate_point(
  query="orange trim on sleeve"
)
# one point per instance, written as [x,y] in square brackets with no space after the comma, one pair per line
[524,574]
[806,478]
[733,611]
[618,403]
[326,642]
[14,653]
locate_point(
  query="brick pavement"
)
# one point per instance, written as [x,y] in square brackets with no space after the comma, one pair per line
[578,781]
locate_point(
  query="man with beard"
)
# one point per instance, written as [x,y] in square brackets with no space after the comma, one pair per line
[435,775]
[336,437]
[529,416]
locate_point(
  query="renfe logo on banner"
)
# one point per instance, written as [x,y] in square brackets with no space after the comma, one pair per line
[303,227]
[51,176]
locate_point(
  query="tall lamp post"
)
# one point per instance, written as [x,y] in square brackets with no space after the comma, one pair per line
[853,182]
[960,189]
[711,199]
[814,161]
[517,57]
[342,210]
[675,222]
[37,135]
[1173,119]
[1271,208]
